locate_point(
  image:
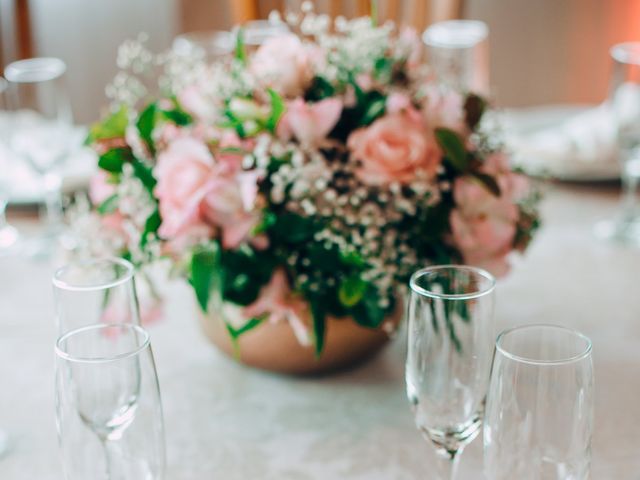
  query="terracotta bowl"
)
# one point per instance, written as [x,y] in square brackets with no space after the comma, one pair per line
[274,347]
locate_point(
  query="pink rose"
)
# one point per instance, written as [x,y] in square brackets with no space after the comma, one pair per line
[280,304]
[483,225]
[395,148]
[444,108]
[231,205]
[310,123]
[410,42]
[184,172]
[284,64]
[194,101]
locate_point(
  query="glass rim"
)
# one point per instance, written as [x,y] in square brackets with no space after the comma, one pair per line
[34,70]
[465,34]
[452,296]
[222,39]
[61,353]
[61,284]
[627,53]
[532,361]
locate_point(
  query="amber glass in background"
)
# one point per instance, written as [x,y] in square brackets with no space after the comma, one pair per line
[451,341]
[539,415]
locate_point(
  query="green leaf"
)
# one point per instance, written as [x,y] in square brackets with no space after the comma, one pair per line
[113,126]
[319,324]
[292,228]
[145,174]
[241,50]
[151,226]
[368,312]
[351,291]
[353,259]
[204,273]
[277,109]
[109,205]
[237,332]
[146,123]
[374,110]
[489,182]
[177,116]
[453,148]
[113,160]
[320,89]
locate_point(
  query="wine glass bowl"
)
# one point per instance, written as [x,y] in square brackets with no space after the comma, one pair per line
[106,385]
[451,337]
[42,132]
[92,291]
[539,415]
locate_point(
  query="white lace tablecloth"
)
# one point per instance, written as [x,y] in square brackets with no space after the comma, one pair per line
[229,422]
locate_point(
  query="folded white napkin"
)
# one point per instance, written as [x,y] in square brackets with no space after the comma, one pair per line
[565,142]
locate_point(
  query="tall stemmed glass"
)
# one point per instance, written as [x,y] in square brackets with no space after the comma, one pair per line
[8,235]
[451,341]
[42,131]
[108,409]
[539,415]
[624,103]
[94,291]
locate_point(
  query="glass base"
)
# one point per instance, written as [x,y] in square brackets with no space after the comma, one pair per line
[9,240]
[619,231]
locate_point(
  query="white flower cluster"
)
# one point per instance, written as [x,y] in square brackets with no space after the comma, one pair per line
[357,219]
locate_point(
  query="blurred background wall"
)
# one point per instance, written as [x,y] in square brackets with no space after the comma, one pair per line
[542,51]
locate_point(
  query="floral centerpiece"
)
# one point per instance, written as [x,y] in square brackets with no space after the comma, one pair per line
[306,179]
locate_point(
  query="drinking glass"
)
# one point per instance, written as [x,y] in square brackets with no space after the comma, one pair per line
[211,45]
[8,235]
[95,291]
[539,414]
[624,104]
[108,409]
[458,51]
[451,341]
[42,133]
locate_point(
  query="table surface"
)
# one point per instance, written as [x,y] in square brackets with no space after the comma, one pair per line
[227,421]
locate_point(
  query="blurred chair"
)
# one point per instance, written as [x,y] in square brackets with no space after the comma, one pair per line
[417,13]
[16,40]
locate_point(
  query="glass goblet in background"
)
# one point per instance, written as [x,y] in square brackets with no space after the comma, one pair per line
[458,51]
[451,341]
[624,104]
[8,235]
[42,132]
[108,408]
[539,415]
[95,291]
[210,45]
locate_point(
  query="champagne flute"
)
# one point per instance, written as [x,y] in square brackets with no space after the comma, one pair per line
[42,133]
[108,408]
[211,45]
[539,415]
[94,291]
[8,235]
[624,104]
[451,336]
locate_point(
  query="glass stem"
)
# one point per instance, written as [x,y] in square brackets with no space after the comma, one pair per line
[447,463]
[109,459]
[53,200]
[3,213]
